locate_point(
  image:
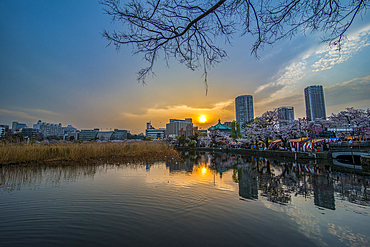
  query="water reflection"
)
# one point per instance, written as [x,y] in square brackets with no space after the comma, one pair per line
[323,192]
[248,187]
[279,181]
[18,177]
[205,200]
[274,180]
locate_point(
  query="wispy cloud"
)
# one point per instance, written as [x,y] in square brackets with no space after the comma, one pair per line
[223,110]
[313,60]
[290,74]
[330,57]
[19,114]
[29,116]
[44,112]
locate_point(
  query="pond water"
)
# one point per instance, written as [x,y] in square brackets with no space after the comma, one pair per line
[227,200]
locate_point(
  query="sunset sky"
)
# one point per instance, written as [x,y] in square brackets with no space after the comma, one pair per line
[56,67]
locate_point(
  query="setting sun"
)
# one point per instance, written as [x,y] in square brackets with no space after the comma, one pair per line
[202,119]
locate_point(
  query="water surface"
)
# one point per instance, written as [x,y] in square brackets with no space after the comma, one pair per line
[226,201]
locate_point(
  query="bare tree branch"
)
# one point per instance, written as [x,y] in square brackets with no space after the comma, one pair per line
[186,30]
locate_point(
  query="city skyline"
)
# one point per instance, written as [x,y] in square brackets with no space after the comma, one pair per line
[55,67]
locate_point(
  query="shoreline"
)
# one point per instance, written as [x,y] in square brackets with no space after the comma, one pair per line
[301,157]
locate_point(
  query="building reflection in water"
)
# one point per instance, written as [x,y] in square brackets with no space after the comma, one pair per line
[276,181]
[323,192]
[279,181]
[187,166]
[248,187]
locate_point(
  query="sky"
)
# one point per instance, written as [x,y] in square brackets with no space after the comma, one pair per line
[56,67]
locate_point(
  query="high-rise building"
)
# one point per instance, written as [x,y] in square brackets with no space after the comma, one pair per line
[244,109]
[315,104]
[285,115]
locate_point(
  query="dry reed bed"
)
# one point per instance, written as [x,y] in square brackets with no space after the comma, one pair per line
[140,151]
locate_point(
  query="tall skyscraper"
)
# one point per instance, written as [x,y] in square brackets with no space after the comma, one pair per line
[285,114]
[244,109]
[315,104]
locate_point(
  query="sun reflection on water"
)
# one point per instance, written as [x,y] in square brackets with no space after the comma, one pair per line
[202,170]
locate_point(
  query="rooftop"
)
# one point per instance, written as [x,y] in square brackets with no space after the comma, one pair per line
[219,126]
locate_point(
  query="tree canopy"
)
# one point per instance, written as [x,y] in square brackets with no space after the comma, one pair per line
[187,29]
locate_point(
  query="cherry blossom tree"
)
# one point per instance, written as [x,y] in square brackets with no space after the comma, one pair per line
[219,137]
[289,131]
[357,120]
[263,128]
[205,141]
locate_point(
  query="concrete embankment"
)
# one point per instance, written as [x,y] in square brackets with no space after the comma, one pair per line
[302,157]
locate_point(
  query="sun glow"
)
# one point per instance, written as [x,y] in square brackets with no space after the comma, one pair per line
[204,170]
[202,119]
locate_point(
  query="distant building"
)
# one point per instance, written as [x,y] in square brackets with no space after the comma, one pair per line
[285,115]
[244,110]
[155,133]
[178,127]
[149,125]
[2,131]
[119,134]
[104,135]
[4,126]
[14,125]
[69,129]
[49,129]
[72,136]
[88,135]
[30,132]
[18,126]
[228,124]
[221,127]
[315,103]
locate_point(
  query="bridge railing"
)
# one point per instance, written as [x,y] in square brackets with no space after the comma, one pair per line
[347,145]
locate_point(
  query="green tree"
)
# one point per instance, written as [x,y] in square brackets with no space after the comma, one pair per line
[194,137]
[235,130]
[181,140]
[192,144]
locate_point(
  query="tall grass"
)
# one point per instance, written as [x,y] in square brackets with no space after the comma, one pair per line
[16,153]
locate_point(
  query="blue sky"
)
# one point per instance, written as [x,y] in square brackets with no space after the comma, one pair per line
[56,67]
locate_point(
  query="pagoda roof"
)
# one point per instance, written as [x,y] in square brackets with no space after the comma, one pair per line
[219,126]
